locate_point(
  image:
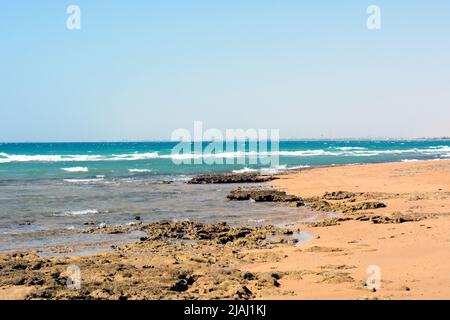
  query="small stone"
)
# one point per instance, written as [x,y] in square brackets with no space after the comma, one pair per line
[249,276]
[19,266]
[37,266]
[180,286]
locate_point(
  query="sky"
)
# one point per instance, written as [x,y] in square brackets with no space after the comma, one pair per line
[138,70]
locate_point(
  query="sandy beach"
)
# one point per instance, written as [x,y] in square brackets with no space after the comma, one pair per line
[412,256]
[391,216]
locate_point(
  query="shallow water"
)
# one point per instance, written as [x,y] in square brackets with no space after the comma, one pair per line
[52,213]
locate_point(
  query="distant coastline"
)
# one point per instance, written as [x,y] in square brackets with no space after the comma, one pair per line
[284,139]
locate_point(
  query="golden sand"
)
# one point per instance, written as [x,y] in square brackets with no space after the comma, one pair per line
[413,257]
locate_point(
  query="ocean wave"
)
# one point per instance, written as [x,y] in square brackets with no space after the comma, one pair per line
[139,170]
[299,167]
[84,181]
[4,157]
[256,220]
[245,170]
[442,150]
[81,212]
[350,148]
[76,169]
[270,170]
[181,178]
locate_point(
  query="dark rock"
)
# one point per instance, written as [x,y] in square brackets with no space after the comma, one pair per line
[264,195]
[244,293]
[321,205]
[37,266]
[190,279]
[325,206]
[338,195]
[230,178]
[36,282]
[180,286]
[19,266]
[249,276]
[364,206]
[20,281]
[276,276]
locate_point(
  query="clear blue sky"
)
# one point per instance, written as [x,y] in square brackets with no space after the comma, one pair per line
[137,70]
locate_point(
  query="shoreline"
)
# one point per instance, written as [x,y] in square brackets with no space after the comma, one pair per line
[407,239]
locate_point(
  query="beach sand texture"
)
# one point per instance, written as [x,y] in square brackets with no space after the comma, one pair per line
[413,257]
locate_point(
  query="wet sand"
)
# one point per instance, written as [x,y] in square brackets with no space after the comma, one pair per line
[396,217]
[413,256]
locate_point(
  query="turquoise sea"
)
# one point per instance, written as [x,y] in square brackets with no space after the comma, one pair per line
[48,191]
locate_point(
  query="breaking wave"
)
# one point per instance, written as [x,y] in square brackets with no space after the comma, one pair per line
[76,169]
[139,170]
[269,170]
[80,212]
[443,151]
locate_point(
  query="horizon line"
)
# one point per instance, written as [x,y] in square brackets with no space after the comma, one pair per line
[284,139]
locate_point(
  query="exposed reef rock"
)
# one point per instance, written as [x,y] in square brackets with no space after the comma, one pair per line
[230,178]
[374,218]
[176,260]
[343,201]
[265,195]
[338,195]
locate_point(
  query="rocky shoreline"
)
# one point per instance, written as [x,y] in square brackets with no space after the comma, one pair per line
[194,260]
[265,195]
[175,260]
[218,178]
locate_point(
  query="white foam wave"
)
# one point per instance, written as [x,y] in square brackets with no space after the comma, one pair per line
[350,148]
[341,151]
[76,169]
[270,170]
[273,170]
[83,181]
[256,220]
[81,212]
[299,167]
[245,170]
[76,158]
[139,170]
